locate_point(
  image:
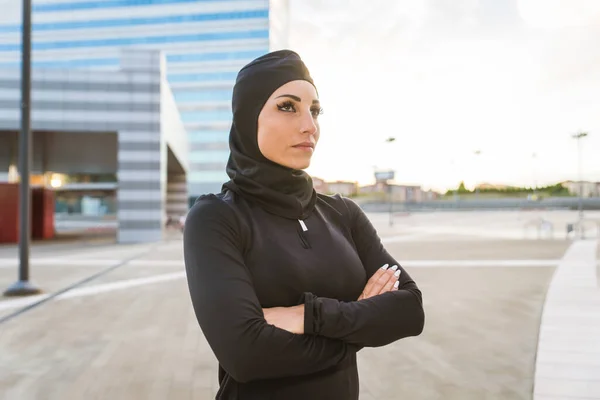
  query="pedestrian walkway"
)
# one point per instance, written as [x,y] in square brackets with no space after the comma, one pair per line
[116,321]
[568,356]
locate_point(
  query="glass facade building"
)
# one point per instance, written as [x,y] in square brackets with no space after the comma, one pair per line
[205,43]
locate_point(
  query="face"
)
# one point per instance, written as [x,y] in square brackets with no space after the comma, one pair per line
[288,125]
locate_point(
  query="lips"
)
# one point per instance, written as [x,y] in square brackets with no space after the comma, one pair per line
[305,145]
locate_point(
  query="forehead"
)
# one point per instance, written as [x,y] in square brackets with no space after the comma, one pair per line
[303,89]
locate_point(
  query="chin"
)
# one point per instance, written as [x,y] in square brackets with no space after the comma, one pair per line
[298,164]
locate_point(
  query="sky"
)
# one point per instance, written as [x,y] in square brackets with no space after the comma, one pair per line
[512,79]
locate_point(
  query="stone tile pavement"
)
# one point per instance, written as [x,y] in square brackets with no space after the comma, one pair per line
[130,333]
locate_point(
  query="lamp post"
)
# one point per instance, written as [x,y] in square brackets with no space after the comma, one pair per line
[578,136]
[477,154]
[391,139]
[23,287]
[535,185]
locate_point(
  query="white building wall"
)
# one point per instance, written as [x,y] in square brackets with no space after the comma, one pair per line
[126,102]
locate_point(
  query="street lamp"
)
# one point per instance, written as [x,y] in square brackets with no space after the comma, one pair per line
[477,153]
[535,185]
[391,139]
[23,287]
[578,136]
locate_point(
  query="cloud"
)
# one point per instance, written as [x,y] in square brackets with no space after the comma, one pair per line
[553,14]
[447,77]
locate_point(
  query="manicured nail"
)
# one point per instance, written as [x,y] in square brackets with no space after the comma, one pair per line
[384,267]
[396,284]
[394,267]
[397,273]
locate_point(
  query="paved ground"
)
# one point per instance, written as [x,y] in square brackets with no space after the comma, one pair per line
[130,332]
[568,355]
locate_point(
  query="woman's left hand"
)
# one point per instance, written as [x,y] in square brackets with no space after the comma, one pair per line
[290,319]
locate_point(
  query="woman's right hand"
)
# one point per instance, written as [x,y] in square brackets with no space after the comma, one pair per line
[383,280]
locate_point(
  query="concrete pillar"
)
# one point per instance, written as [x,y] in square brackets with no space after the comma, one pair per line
[177,195]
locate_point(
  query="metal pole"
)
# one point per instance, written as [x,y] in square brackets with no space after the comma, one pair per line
[22,287]
[580,178]
[535,184]
[25,146]
[579,136]
[390,139]
[477,154]
[391,203]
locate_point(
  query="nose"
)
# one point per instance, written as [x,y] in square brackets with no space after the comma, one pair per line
[308,124]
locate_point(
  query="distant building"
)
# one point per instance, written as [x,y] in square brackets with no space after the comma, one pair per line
[400,193]
[588,189]
[319,184]
[378,187]
[407,193]
[430,195]
[343,187]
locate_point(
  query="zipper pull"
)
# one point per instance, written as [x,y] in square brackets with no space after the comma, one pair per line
[303,225]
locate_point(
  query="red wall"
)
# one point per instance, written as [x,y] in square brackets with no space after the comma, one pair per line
[42,213]
[9,213]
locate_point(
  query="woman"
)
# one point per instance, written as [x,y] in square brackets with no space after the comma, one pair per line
[288,285]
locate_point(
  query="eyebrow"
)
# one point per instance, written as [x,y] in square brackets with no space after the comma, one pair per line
[298,99]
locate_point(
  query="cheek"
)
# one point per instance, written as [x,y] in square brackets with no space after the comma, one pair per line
[270,138]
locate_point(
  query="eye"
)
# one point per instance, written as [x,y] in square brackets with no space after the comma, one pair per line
[286,106]
[316,111]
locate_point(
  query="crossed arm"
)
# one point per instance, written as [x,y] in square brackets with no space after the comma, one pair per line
[238,329]
[390,308]
[292,319]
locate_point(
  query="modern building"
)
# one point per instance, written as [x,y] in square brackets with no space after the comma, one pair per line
[90,125]
[204,42]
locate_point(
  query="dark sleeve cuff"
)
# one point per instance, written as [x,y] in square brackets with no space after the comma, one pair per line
[312,313]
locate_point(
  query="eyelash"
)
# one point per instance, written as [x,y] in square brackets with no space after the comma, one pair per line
[316,111]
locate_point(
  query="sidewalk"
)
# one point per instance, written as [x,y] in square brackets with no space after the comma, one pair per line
[568,357]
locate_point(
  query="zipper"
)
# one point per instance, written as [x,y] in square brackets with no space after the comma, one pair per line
[302,235]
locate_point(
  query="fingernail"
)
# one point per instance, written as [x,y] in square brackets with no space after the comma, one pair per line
[384,267]
[394,267]
[396,284]
[397,273]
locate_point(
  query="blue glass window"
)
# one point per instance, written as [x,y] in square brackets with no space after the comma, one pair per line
[186,96]
[257,34]
[208,176]
[86,5]
[91,62]
[208,136]
[209,156]
[116,22]
[201,77]
[230,55]
[173,58]
[205,116]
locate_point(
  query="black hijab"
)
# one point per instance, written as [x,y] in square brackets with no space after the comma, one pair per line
[280,190]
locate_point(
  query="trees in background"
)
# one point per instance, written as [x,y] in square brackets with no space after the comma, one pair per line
[551,190]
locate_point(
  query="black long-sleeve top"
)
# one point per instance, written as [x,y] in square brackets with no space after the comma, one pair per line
[240,259]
